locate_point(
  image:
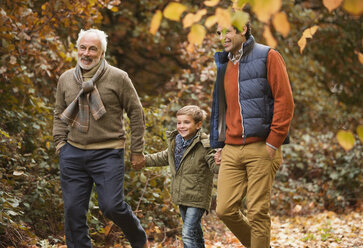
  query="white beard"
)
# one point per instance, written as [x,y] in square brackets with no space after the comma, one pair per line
[90,66]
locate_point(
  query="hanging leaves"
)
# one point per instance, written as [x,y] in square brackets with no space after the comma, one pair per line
[240,19]
[360,132]
[270,40]
[155,22]
[345,139]
[264,9]
[308,33]
[211,20]
[281,24]
[211,3]
[354,7]
[332,4]
[174,10]
[196,34]
[190,18]
[224,17]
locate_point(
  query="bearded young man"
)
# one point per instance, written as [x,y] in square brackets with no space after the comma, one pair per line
[251,114]
[90,137]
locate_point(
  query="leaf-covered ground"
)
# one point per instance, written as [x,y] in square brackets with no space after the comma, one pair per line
[322,230]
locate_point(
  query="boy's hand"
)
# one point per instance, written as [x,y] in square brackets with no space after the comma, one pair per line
[137,161]
[217,156]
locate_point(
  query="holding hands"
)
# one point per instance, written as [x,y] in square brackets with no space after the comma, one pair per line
[137,161]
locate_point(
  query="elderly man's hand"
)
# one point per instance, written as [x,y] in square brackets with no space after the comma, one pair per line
[137,160]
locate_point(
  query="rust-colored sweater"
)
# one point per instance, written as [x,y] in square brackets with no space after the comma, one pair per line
[283,102]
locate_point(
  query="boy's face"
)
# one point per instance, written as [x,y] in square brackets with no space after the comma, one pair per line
[186,126]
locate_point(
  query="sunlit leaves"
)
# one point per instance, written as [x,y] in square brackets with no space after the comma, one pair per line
[281,24]
[308,33]
[224,18]
[332,4]
[174,10]
[360,132]
[155,22]
[196,34]
[354,7]
[211,3]
[240,19]
[239,4]
[210,21]
[360,56]
[264,9]
[270,40]
[345,139]
[190,18]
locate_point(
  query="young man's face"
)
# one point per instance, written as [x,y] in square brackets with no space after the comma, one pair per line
[186,126]
[89,51]
[231,40]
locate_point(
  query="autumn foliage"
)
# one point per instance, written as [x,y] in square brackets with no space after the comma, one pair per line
[167,48]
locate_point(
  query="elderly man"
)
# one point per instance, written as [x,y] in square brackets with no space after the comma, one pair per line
[90,137]
[251,114]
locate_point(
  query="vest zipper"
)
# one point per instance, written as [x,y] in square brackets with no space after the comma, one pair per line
[240,107]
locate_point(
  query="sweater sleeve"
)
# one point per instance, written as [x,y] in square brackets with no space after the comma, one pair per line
[132,105]
[157,159]
[283,100]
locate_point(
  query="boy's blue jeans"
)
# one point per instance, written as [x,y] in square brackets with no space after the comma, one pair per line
[79,170]
[192,233]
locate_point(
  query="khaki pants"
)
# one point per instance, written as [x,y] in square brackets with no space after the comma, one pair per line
[247,170]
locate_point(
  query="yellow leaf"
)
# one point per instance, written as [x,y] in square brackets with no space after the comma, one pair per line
[264,9]
[345,139]
[281,23]
[190,48]
[155,22]
[211,20]
[224,18]
[332,4]
[190,18]
[240,19]
[239,4]
[354,7]
[196,34]
[174,10]
[211,3]
[47,145]
[360,132]
[308,33]
[360,56]
[270,40]
[114,9]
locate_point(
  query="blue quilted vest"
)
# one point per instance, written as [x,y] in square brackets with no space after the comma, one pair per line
[255,96]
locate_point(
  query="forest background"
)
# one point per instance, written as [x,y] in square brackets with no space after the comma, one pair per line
[167,49]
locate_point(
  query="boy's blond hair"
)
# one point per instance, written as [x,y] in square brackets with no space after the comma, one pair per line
[194,111]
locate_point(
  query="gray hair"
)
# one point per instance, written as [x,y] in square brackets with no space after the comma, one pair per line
[101,35]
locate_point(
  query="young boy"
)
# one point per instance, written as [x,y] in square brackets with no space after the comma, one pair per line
[192,167]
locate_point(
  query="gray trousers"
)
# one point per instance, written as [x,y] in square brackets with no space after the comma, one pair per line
[80,169]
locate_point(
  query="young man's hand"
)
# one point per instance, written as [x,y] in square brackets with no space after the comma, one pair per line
[137,160]
[271,151]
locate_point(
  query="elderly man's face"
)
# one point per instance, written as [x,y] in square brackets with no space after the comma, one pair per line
[89,51]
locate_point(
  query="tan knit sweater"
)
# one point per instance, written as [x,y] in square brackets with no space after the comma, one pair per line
[118,96]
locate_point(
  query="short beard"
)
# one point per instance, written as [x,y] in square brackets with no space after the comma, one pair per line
[88,67]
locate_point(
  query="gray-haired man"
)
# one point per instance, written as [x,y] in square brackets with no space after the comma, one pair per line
[90,138]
